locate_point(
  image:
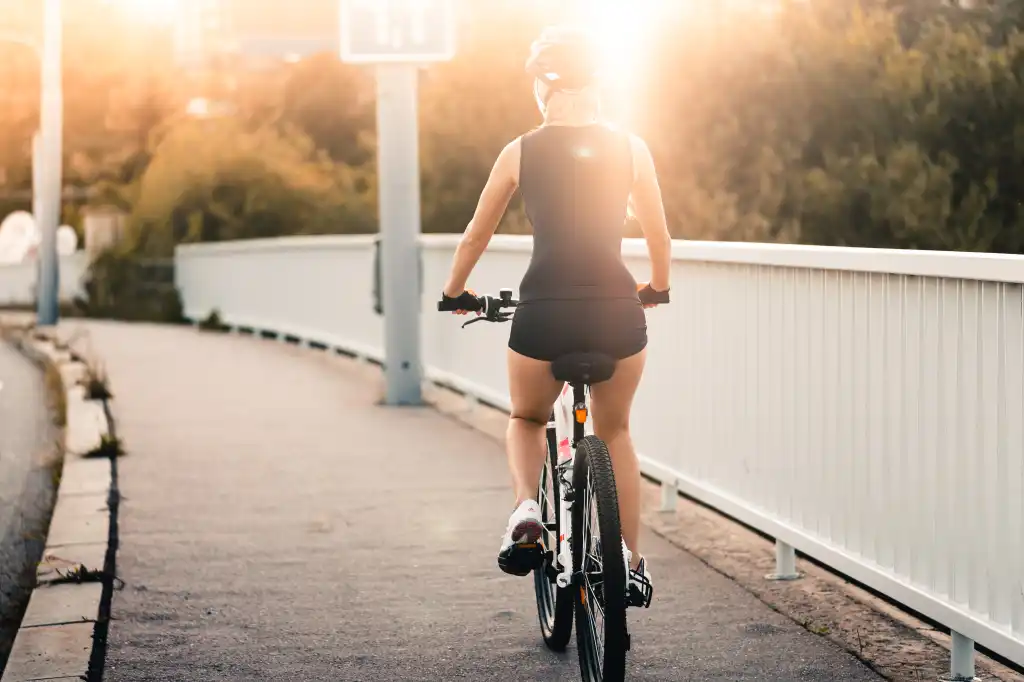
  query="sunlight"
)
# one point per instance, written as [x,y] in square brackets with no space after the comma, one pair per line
[623,28]
[150,11]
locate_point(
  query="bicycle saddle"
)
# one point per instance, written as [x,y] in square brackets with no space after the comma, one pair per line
[583,368]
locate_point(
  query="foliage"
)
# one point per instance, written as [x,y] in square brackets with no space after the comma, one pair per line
[120,286]
[886,123]
[213,180]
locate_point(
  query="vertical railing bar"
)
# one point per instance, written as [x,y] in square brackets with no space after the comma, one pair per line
[958,455]
[997,521]
[974,478]
[919,523]
[825,526]
[885,541]
[791,389]
[902,538]
[868,456]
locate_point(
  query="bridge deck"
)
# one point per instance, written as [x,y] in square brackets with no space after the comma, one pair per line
[277,524]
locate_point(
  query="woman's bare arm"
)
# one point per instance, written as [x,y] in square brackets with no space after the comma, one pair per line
[490,208]
[650,212]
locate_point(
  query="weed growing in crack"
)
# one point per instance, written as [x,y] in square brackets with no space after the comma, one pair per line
[109,447]
[96,382]
[213,322]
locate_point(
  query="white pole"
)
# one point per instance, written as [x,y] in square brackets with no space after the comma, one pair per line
[399,199]
[961,664]
[785,562]
[51,114]
[669,495]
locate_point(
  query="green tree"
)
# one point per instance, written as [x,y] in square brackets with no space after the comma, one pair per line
[213,180]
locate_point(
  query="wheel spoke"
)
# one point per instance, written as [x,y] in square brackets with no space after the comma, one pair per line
[592,560]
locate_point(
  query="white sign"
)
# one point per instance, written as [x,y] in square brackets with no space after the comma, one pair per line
[397,31]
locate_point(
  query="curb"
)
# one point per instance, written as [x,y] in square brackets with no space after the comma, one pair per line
[63,632]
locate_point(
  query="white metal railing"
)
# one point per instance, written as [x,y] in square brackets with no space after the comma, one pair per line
[18,280]
[865,407]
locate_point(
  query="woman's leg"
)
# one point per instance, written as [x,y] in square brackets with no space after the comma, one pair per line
[533,390]
[611,404]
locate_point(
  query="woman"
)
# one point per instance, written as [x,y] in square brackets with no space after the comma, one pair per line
[578,176]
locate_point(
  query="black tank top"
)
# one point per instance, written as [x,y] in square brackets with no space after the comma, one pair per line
[575,182]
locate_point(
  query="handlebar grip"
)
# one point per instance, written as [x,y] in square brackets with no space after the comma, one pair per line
[465,301]
[649,295]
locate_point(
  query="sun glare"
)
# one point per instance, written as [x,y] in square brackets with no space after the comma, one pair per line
[623,28]
[151,11]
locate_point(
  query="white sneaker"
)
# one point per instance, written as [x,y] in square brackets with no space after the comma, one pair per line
[639,589]
[521,551]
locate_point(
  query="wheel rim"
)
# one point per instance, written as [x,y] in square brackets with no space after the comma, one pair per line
[591,591]
[544,586]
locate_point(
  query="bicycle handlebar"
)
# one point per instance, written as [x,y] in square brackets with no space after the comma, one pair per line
[490,306]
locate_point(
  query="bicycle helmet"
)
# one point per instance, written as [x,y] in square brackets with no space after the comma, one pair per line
[564,58]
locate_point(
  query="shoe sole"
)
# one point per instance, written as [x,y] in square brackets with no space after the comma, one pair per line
[526,552]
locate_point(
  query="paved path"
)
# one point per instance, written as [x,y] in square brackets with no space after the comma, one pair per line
[27,443]
[278,525]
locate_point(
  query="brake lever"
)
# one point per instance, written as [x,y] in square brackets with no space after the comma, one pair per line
[496,317]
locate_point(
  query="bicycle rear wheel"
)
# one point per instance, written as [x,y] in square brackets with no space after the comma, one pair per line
[600,593]
[554,604]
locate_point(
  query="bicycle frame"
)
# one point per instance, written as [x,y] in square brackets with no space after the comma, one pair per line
[570,421]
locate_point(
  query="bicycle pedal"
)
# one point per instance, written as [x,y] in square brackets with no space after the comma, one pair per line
[639,599]
[521,559]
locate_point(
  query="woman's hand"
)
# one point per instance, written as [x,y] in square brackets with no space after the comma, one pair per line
[465,298]
[651,292]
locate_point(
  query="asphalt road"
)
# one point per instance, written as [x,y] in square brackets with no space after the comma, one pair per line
[277,524]
[27,443]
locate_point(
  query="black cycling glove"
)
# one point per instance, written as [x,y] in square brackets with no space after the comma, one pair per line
[464,301]
[649,295]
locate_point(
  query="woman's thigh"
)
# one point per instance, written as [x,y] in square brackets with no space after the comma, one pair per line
[613,399]
[532,387]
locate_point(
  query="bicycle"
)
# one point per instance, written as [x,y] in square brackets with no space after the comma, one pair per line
[575,573]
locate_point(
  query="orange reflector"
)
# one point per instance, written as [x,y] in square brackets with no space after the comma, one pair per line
[581,416]
[583,596]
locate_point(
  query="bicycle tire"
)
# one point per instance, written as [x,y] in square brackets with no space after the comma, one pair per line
[554,604]
[594,483]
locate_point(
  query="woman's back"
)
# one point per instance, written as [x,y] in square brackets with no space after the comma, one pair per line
[575,182]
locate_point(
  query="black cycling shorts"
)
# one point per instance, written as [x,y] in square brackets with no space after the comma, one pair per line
[548,329]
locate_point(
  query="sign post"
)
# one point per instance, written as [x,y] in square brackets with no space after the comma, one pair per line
[397,36]
[47,152]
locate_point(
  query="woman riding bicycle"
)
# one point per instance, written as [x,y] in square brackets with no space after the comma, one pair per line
[577,176]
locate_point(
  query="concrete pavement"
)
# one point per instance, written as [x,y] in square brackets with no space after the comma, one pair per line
[277,524]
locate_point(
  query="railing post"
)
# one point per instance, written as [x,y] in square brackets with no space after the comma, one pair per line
[785,562]
[472,404]
[961,658]
[669,495]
